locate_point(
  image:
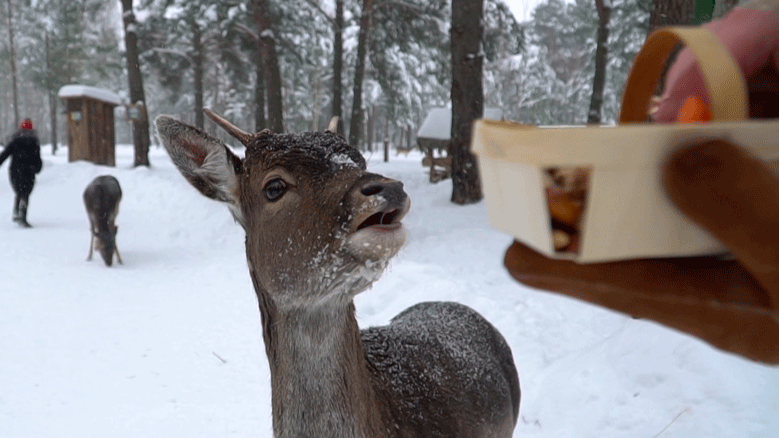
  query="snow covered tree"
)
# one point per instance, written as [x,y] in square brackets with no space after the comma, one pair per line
[355,121]
[271,61]
[410,59]
[140,128]
[179,39]
[60,42]
[12,60]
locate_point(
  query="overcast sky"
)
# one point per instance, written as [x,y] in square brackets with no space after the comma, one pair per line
[522,8]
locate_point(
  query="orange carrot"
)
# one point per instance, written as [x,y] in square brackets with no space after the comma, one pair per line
[693,110]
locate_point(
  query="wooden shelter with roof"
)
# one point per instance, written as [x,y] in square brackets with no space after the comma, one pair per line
[435,135]
[90,113]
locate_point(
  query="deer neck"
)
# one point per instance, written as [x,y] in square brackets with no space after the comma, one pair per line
[320,383]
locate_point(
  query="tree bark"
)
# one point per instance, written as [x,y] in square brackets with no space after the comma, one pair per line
[467,96]
[272,71]
[259,95]
[52,96]
[386,140]
[671,13]
[601,58]
[355,127]
[12,56]
[338,63]
[198,61]
[140,127]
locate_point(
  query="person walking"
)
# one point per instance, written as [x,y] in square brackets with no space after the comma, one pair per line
[25,152]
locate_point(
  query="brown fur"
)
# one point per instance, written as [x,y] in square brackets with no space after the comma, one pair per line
[310,251]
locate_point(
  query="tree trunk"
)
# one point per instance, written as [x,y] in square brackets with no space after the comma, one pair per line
[51,92]
[467,96]
[259,88]
[259,96]
[355,127]
[372,116]
[601,58]
[386,140]
[12,56]
[198,60]
[140,127]
[271,61]
[338,64]
[671,13]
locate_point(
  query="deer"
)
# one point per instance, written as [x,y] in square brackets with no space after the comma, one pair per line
[320,229]
[101,199]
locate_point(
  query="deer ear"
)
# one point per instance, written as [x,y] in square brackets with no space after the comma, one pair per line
[207,163]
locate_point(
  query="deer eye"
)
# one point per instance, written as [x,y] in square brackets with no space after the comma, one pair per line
[275,189]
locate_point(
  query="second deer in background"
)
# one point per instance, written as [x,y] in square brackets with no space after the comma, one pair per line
[101,199]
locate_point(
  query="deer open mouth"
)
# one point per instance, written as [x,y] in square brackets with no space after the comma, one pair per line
[379,233]
[388,220]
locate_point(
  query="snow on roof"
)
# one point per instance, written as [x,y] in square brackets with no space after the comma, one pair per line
[90,92]
[438,123]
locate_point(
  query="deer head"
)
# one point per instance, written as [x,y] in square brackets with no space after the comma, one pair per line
[319,227]
[105,243]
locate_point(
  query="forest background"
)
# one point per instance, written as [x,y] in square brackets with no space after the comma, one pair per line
[199,53]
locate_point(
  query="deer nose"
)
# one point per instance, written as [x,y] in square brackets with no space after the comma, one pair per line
[390,190]
[373,188]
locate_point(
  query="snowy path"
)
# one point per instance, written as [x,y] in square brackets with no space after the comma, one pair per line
[169,344]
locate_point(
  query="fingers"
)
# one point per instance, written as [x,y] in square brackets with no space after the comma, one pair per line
[700,278]
[711,299]
[735,197]
[749,35]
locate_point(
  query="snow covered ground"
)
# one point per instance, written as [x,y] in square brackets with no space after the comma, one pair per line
[169,344]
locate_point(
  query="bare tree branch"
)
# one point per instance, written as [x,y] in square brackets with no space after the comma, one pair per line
[316,6]
[174,52]
[411,6]
[248,32]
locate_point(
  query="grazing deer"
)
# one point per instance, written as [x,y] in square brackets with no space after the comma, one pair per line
[319,230]
[101,198]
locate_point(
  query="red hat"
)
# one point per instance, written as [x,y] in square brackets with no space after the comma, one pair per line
[26,124]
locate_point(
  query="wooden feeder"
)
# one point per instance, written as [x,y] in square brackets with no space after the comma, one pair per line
[621,210]
[90,114]
[436,131]
[435,135]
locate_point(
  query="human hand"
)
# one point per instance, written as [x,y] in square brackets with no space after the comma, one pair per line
[751,36]
[731,304]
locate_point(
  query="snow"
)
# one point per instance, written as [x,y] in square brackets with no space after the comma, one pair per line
[169,344]
[438,123]
[100,94]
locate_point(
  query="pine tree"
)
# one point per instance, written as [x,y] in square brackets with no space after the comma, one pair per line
[140,128]
[467,96]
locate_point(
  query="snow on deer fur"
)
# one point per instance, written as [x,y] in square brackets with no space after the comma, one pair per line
[319,230]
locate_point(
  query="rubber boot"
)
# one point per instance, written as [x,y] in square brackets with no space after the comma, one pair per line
[23,214]
[16,209]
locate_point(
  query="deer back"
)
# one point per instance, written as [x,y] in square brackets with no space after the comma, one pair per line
[101,199]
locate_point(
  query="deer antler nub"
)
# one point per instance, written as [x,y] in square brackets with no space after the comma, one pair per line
[242,136]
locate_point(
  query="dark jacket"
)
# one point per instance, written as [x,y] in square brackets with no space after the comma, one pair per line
[25,152]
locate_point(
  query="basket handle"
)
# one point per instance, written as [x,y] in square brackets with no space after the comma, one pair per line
[724,81]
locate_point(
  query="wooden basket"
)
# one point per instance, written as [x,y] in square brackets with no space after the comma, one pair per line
[626,213]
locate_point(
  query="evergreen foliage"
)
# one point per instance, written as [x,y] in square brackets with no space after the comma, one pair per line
[538,72]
